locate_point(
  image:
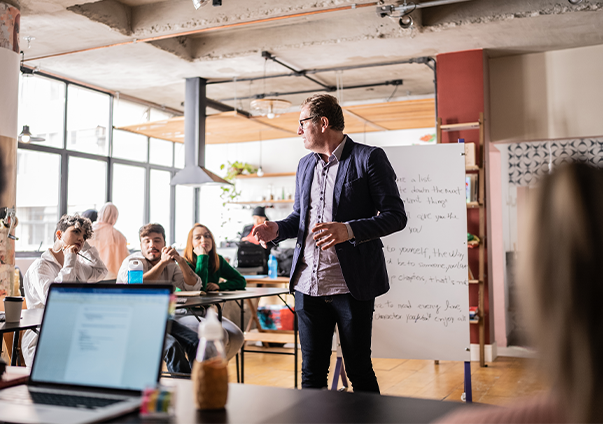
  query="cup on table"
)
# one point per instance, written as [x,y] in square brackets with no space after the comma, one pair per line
[12,308]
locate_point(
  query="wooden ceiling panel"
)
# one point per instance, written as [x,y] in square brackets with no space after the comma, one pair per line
[230,127]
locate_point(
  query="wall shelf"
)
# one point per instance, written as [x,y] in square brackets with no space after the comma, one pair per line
[262,202]
[278,174]
[461,127]
[480,282]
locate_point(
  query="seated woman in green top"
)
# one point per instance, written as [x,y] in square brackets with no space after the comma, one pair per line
[215,272]
[200,253]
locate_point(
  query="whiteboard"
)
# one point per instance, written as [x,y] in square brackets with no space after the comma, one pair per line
[425,314]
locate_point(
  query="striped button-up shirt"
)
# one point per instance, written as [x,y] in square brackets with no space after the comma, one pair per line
[319,272]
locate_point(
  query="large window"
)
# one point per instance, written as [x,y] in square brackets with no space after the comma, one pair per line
[130,146]
[128,196]
[42,108]
[38,176]
[87,120]
[87,184]
[162,152]
[185,217]
[83,163]
[160,199]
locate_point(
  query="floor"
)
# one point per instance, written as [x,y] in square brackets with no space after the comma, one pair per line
[501,382]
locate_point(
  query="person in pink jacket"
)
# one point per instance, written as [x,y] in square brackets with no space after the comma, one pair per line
[110,243]
[559,272]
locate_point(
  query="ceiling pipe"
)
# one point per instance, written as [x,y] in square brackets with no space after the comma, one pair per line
[420,60]
[328,89]
[194,173]
[409,7]
[210,29]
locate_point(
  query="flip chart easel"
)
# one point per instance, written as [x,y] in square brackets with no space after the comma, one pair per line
[425,314]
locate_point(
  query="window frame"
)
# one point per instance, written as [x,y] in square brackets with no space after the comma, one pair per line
[66,153]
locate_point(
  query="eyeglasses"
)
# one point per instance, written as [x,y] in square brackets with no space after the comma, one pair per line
[301,121]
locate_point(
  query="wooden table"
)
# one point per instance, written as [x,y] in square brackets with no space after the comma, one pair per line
[260,404]
[30,319]
[240,296]
[261,282]
[265,281]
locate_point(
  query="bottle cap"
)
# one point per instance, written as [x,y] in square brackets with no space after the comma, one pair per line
[210,328]
[135,265]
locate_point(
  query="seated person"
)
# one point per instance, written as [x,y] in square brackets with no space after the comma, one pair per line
[559,273]
[217,274]
[110,242]
[71,259]
[91,214]
[163,263]
[259,217]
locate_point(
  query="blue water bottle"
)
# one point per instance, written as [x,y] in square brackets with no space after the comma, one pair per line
[272,267]
[135,271]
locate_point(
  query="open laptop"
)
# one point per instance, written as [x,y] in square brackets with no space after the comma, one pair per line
[99,347]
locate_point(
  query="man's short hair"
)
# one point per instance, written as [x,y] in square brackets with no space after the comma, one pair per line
[79,222]
[145,230]
[320,105]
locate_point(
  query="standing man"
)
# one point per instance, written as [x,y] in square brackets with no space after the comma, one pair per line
[346,198]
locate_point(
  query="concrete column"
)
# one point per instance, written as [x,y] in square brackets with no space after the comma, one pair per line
[10,16]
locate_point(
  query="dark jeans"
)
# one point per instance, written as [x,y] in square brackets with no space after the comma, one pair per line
[180,342]
[317,317]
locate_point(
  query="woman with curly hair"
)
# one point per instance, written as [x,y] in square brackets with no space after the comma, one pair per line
[70,259]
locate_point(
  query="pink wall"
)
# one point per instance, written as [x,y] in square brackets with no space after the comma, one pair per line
[496,246]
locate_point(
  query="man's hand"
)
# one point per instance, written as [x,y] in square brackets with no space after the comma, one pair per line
[265,232]
[328,234]
[170,254]
[212,287]
[71,248]
[199,250]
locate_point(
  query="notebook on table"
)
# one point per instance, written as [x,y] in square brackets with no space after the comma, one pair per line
[99,347]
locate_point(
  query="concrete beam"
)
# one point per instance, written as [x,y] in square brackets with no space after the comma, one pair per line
[112,13]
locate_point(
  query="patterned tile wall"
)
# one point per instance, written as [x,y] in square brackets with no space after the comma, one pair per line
[529,161]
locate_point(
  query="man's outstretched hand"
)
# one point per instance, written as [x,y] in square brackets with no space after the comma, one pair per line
[265,232]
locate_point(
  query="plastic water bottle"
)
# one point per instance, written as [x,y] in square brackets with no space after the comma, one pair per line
[210,370]
[272,267]
[135,271]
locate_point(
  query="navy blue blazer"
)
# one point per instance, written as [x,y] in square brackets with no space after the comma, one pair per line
[366,196]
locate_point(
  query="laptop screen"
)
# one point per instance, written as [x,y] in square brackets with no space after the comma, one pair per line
[108,337]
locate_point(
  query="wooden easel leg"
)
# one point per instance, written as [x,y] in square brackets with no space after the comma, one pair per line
[339,367]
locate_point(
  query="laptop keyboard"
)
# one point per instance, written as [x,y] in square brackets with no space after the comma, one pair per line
[57,399]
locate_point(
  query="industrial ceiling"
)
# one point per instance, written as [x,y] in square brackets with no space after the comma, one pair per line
[146,48]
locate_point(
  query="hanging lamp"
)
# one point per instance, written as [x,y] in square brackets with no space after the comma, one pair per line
[267,106]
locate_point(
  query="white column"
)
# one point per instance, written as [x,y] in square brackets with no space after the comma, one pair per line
[9,89]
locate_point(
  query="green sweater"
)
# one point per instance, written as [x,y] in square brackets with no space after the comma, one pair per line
[234,279]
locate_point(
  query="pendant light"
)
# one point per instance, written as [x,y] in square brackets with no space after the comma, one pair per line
[269,107]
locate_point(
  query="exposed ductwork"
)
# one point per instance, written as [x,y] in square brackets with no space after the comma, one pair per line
[194,172]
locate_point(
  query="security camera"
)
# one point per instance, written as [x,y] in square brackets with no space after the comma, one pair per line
[405,21]
[575,1]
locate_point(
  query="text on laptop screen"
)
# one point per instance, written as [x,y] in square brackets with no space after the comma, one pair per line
[110,338]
